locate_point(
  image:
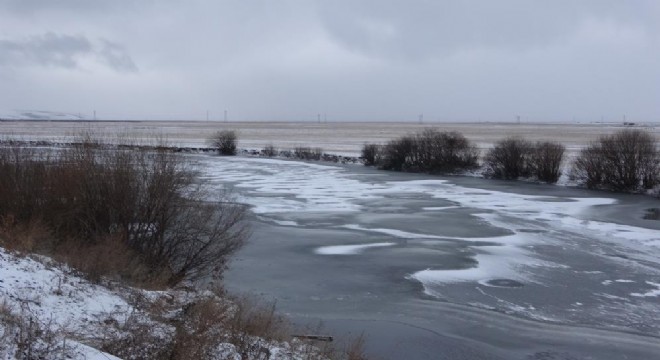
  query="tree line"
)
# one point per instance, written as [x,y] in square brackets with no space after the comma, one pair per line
[626,161]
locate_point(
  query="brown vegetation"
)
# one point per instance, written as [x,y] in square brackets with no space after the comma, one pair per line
[142,205]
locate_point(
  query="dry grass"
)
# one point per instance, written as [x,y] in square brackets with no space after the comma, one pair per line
[89,196]
[24,237]
[25,337]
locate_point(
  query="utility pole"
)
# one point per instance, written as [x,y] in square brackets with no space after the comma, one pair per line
[225,115]
[94,115]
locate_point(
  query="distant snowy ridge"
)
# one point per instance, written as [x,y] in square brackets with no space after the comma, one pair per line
[40,115]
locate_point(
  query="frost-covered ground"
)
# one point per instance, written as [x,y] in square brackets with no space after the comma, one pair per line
[534,251]
[62,315]
[57,301]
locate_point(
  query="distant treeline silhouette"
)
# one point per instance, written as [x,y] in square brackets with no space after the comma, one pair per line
[626,161]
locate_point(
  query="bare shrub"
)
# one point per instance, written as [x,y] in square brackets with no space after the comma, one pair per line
[371,154]
[109,257]
[545,162]
[269,151]
[145,199]
[135,338]
[201,329]
[398,154]
[430,151]
[509,159]
[224,142]
[438,152]
[308,153]
[29,236]
[24,173]
[24,336]
[354,350]
[628,160]
[251,318]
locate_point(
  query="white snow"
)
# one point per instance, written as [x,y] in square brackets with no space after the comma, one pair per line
[58,299]
[393,232]
[51,293]
[651,293]
[349,249]
[497,262]
[80,313]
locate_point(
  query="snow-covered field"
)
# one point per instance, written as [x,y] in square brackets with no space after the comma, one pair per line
[337,138]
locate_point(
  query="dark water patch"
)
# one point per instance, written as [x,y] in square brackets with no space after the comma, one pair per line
[621,256]
[532,231]
[652,214]
[505,283]
[552,199]
[551,355]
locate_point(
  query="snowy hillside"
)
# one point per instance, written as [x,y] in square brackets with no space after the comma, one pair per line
[47,311]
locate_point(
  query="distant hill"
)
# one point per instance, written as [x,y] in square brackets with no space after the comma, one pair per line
[39,115]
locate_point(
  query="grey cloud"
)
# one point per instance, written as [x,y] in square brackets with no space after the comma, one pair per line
[116,57]
[391,28]
[35,6]
[64,51]
[48,50]
[351,59]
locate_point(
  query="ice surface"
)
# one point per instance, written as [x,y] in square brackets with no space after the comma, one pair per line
[278,186]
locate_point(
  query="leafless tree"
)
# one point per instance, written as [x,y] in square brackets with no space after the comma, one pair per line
[269,150]
[371,154]
[628,160]
[509,159]
[225,142]
[546,159]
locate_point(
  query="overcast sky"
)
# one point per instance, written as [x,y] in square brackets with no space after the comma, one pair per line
[346,60]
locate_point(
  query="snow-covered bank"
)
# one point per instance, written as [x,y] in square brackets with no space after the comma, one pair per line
[48,311]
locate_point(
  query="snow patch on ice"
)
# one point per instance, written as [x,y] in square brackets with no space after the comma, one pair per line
[651,293]
[393,232]
[498,262]
[440,208]
[349,249]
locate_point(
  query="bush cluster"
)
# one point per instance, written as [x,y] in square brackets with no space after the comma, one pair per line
[430,151]
[628,160]
[513,158]
[269,151]
[308,153]
[224,142]
[141,203]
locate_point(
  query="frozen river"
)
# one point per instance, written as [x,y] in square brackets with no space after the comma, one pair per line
[449,268]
